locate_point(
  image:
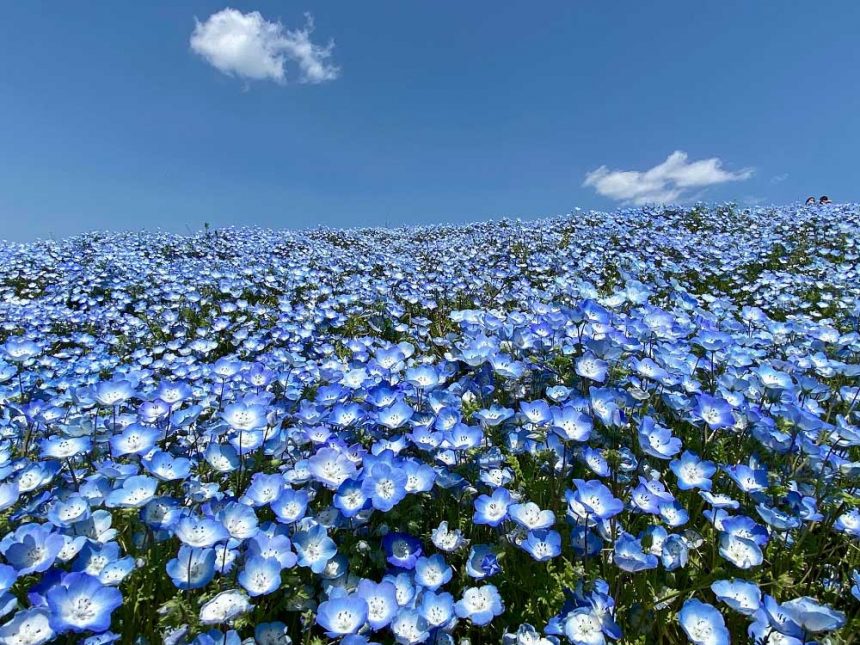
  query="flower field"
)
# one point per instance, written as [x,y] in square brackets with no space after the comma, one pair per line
[639,426]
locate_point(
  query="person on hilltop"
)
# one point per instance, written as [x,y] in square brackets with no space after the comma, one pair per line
[824,200]
[810,201]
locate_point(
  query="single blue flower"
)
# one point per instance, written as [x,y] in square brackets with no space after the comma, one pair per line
[342,615]
[741,595]
[433,572]
[314,548]
[401,549]
[381,599]
[192,568]
[703,624]
[81,603]
[492,509]
[480,605]
[260,576]
[542,545]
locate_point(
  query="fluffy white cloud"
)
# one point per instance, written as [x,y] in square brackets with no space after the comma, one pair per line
[666,182]
[249,46]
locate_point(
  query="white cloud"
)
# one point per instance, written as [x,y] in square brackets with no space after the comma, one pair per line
[249,46]
[778,179]
[665,182]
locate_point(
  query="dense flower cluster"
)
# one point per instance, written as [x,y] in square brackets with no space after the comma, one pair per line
[638,426]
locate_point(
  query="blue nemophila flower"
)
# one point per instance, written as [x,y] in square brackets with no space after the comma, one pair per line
[433,572]
[437,609]
[527,635]
[748,479]
[134,440]
[495,416]
[419,477]
[224,607]
[778,519]
[195,530]
[314,547]
[745,527]
[596,461]
[32,548]
[716,412]
[675,552]
[849,523]
[161,513]
[542,544]
[350,498]
[81,603]
[649,495]
[95,556]
[401,549]
[740,551]
[592,500]
[395,416]
[463,437]
[703,624]
[274,633]
[241,416]
[192,568]
[629,556]
[290,506]
[657,441]
[264,489]
[260,576]
[812,616]
[673,514]
[741,595]
[536,412]
[58,447]
[384,485]
[173,393]
[381,599]
[571,424]
[166,467]
[719,501]
[222,457]
[113,393]
[66,512]
[481,562]
[346,414]
[605,406]
[240,520]
[30,626]
[20,349]
[409,627]
[583,627]
[492,509]
[647,368]
[404,587]
[273,546]
[480,604]
[342,615]
[590,367]
[584,541]
[331,468]
[447,540]
[530,516]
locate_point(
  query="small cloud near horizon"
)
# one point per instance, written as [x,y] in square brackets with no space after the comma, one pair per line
[778,179]
[669,181]
[248,46]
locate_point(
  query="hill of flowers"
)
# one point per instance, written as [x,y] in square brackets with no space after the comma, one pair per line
[639,426]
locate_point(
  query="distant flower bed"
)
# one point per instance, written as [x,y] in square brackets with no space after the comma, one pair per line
[638,426]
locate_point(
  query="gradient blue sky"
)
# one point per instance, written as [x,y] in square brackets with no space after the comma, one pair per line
[442,112]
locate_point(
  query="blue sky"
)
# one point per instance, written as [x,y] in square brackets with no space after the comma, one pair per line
[422,112]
